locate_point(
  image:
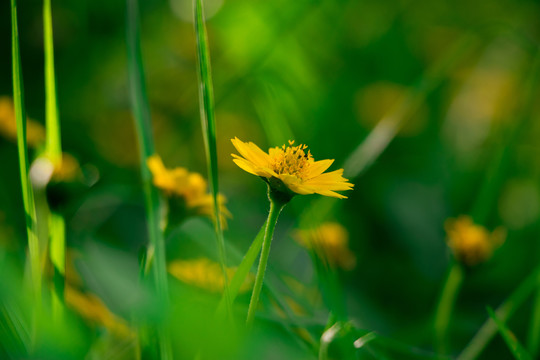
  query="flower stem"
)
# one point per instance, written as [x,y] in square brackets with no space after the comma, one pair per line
[446,305]
[275,209]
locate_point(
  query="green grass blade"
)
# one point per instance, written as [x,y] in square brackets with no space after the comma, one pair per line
[516,348]
[27,191]
[503,312]
[53,139]
[141,114]
[243,270]
[53,149]
[208,122]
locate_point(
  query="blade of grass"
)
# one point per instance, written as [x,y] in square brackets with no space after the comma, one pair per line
[27,191]
[208,123]
[243,270]
[141,114]
[503,312]
[516,348]
[53,140]
[53,149]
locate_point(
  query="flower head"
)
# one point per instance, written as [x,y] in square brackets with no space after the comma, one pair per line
[470,243]
[35,132]
[291,169]
[205,274]
[179,183]
[330,242]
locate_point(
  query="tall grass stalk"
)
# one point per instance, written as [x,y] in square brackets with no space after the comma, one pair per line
[27,191]
[141,113]
[208,123]
[53,150]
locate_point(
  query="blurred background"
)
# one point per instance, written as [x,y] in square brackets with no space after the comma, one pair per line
[450,89]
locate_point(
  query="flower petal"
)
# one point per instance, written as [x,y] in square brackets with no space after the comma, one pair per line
[318,167]
[251,152]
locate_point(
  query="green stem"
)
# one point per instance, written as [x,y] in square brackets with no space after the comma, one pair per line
[27,191]
[446,305]
[275,209]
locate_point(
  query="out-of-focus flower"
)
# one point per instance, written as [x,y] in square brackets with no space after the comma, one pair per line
[205,274]
[179,183]
[470,243]
[330,242]
[291,169]
[35,132]
[92,309]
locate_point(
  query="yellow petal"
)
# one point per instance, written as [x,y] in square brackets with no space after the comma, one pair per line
[251,152]
[318,167]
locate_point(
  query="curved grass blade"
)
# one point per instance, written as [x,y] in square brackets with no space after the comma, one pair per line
[141,113]
[516,348]
[208,123]
[243,270]
[27,191]
[503,313]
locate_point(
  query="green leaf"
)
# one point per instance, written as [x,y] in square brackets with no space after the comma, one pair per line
[516,348]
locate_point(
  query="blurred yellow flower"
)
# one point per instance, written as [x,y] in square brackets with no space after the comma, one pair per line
[472,244]
[35,132]
[205,274]
[330,242]
[291,168]
[191,187]
[92,309]
[68,169]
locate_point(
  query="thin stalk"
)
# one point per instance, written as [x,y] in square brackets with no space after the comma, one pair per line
[53,150]
[208,123]
[27,191]
[141,112]
[446,306]
[275,210]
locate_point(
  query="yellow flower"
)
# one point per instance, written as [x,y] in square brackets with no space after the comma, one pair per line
[291,169]
[92,309]
[35,132]
[330,242]
[191,187]
[470,243]
[205,274]
[68,169]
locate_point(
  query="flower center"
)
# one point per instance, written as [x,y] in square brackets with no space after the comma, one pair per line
[292,160]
